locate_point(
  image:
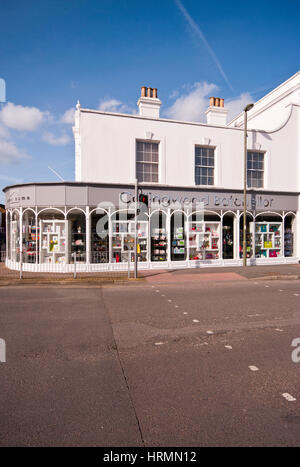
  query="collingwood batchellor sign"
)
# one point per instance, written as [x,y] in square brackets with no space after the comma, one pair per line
[231,201]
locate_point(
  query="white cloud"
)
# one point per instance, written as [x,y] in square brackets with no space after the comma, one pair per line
[21,118]
[113,105]
[191,105]
[236,105]
[10,154]
[56,140]
[4,133]
[68,117]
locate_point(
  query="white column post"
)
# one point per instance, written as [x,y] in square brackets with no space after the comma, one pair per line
[236,235]
[168,233]
[21,240]
[87,235]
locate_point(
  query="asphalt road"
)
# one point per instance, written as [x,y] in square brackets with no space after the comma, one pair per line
[187,364]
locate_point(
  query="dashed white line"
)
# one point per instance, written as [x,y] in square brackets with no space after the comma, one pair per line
[185,313]
[209,332]
[169,301]
[288,397]
[195,321]
[163,295]
[296,294]
[253,368]
[228,347]
[159,343]
[176,306]
[280,290]
[267,286]
[279,330]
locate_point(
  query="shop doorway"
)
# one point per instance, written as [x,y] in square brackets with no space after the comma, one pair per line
[228,239]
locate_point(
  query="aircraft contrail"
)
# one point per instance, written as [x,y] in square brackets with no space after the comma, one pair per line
[200,34]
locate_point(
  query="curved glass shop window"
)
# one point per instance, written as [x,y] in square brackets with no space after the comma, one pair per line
[204,233]
[249,236]
[159,235]
[123,234]
[15,236]
[99,237]
[267,232]
[52,237]
[30,237]
[289,235]
[76,235]
[178,241]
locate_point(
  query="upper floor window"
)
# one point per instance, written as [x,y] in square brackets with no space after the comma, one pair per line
[204,165]
[255,169]
[147,162]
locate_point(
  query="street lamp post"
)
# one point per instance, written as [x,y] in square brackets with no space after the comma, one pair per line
[246,109]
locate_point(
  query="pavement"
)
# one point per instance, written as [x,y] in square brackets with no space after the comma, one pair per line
[272,272]
[205,363]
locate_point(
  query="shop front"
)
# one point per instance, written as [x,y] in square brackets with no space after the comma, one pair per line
[49,226]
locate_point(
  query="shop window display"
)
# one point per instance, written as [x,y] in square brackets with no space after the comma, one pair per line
[52,239]
[123,235]
[289,235]
[77,236]
[249,237]
[30,237]
[99,238]
[268,239]
[159,243]
[178,243]
[204,239]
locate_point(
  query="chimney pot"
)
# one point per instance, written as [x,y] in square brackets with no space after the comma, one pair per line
[143,91]
[211,101]
[221,102]
[155,93]
[149,92]
[217,102]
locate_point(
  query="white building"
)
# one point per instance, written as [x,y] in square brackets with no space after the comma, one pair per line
[193,176]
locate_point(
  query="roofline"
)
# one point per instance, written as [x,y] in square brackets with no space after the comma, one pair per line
[265,96]
[153,187]
[165,120]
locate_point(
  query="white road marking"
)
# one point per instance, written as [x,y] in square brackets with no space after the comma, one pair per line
[288,397]
[176,306]
[159,343]
[280,290]
[267,286]
[195,321]
[185,313]
[228,347]
[169,301]
[253,368]
[209,332]
[157,291]
[256,314]
[280,330]
[296,294]
[163,295]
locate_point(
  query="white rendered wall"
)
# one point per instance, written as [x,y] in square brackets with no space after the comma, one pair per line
[107,151]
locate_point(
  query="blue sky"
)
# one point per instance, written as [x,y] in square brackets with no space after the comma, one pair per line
[101,52]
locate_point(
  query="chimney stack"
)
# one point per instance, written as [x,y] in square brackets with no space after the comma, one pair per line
[148,103]
[216,114]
